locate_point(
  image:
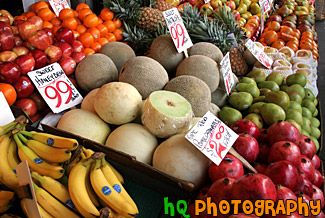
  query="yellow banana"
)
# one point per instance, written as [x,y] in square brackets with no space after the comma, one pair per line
[90,191]
[115,183]
[54,207]
[8,176]
[4,208]
[36,163]
[114,214]
[24,207]
[6,128]
[52,140]
[78,189]
[4,202]
[44,213]
[88,152]
[109,194]
[7,195]
[12,154]
[80,157]
[48,153]
[55,188]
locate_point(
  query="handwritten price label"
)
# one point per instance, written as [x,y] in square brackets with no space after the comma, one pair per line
[227,73]
[206,1]
[6,115]
[58,5]
[265,6]
[259,54]
[55,87]
[177,30]
[212,137]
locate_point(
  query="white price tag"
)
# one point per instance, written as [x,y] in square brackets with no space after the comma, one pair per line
[206,1]
[177,30]
[227,73]
[6,115]
[212,137]
[55,87]
[265,6]
[58,5]
[259,54]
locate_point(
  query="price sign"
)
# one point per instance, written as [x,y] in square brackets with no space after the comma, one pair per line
[6,115]
[259,54]
[55,87]
[206,1]
[177,30]
[227,73]
[265,6]
[58,5]
[212,137]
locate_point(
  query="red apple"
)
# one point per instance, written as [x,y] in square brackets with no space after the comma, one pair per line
[9,72]
[20,50]
[237,15]
[37,21]
[17,22]
[7,56]
[275,17]
[5,27]
[28,106]
[77,46]
[192,2]
[64,34]
[7,41]
[78,56]
[28,45]
[206,8]
[215,3]
[40,58]
[53,53]
[24,87]
[14,30]
[68,64]
[26,29]
[49,32]
[18,41]
[199,3]
[26,63]
[5,12]
[40,40]
[231,4]
[37,98]
[4,18]
[65,47]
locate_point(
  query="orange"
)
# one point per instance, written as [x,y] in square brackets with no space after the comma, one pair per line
[9,92]
[91,20]
[81,28]
[21,17]
[118,34]
[286,37]
[273,25]
[296,33]
[47,24]
[46,14]
[293,47]
[278,44]
[78,20]
[111,37]
[75,14]
[307,34]
[64,13]
[76,34]
[286,30]
[84,12]
[39,5]
[307,40]
[29,14]
[55,28]
[102,29]
[270,37]
[86,39]
[292,43]
[70,22]
[81,6]
[95,32]
[106,14]
[110,25]
[306,44]
[89,51]
[117,22]
[102,41]
[55,21]
[96,46]
[100,20]
[32,7]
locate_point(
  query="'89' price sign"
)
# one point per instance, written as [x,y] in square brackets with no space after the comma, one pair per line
[55,87]
[212,137]
[177,30]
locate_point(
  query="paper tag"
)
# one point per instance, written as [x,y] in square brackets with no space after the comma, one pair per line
[58,5]
[227,73]
[259,54]
[265,6]
[6,115]
[177,30]
[55,87]
[24,178]
[212,137]
[206,1]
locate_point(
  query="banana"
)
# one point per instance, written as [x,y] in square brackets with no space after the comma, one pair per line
[7,195]
[80,157]
[115,183]
[90,191]
[44,213]
[12,154]
[55,188]
[54,207]
[114,214]
[78,189]
[109,194]
[88,152]
[6,128]
[36,163]
[52,140]
[7,176]
[48,153]
[4,208]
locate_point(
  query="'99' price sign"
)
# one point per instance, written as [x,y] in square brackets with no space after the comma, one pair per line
[259,54]
[212,137]
[55,87]
[177,30]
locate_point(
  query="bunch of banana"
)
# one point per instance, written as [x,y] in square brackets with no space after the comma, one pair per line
[6,199]
[93,182]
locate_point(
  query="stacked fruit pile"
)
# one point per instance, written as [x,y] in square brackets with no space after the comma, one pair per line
[88,184]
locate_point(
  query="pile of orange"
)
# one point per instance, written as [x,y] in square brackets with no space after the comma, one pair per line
[278,36]
[93,31]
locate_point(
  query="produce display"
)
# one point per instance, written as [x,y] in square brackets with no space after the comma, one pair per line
[141,97]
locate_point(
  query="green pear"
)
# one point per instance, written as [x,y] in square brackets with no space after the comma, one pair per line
[257,74]
[278,97]
[272,113]
[229,115]
[296,78]
[273,86]
[240,100]
[250,88]
[255,118]
[306,113]
[294,115]
[276,77]
[295,105]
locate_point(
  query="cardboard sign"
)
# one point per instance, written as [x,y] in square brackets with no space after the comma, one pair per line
[212,137]
[6,115]
[227,73]
[55,87]
[259,54]
[177,30]
[58,5]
